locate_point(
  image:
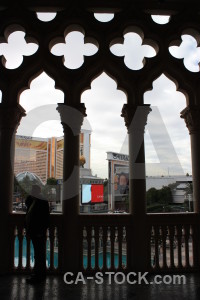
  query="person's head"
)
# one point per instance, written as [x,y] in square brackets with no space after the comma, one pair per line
[122,183]
[36,190]
[122,179]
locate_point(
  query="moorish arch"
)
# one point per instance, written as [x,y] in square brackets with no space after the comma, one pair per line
[132,16]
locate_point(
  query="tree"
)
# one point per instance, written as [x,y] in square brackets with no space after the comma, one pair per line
[152,196]
[165,195]
[51,181]
[157,199]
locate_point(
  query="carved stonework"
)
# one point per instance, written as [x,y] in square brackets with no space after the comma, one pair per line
[191,115]
[128,113]
[10,117]
[135,117]
[72,116]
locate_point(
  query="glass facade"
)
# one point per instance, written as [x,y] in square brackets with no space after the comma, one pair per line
[31,155]
[42,157]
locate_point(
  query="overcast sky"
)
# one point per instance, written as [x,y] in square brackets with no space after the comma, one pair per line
[104,102]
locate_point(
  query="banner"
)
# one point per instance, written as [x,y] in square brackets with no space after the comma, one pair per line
[30,144]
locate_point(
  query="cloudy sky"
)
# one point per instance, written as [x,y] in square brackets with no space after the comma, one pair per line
[104,102]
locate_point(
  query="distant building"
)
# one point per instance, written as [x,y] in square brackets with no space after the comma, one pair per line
[118,164]
[32,155]
[159,181]
[179,192]
[44,156]
[118,178]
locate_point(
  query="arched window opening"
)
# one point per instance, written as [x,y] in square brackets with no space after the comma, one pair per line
[36,141]
[167,151]
[104,172]
[36,150]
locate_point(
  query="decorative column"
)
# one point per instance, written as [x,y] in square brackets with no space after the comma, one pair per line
[10,118]
[71,119]
[191,115]
[135,120]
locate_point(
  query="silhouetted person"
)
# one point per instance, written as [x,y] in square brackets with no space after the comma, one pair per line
[37,222]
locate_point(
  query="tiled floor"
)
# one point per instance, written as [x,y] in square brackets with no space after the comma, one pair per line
[54,288]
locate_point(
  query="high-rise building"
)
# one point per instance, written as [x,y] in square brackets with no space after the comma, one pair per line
[44,156]
[31,154]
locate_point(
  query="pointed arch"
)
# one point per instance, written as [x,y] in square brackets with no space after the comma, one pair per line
[32,74]
[180,79]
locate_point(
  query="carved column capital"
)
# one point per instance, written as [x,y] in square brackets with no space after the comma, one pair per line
[191,115]
[10,116]
[135,117]
[72,116]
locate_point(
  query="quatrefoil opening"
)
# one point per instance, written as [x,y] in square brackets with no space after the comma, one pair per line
[74,47]
[15,45]
[187,49]
[134,48]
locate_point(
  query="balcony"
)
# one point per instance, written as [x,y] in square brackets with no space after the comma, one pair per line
[154,243]
[108,243]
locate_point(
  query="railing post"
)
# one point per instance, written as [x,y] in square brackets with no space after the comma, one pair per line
[10,117]
[71,119]
[135,120]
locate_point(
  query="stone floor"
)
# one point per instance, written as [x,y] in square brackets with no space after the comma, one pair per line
[54,288]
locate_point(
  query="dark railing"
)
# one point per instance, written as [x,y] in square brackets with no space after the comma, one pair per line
[105,243]
[22,251]
[174,242]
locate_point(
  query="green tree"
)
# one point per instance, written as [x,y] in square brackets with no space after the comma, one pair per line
[51,181]
[152,196]
[165,195]
[159,200]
